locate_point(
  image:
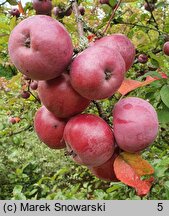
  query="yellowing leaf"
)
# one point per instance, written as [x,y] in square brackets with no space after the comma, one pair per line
[128,85]
[140,166]
[21,10]
[126,174]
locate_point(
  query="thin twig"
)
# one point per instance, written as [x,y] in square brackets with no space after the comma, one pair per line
[3,3]
[20,131]
[37,99]
[111,17]
[92,30]
[152,15]
[100,111]
[78,20]
[142,26]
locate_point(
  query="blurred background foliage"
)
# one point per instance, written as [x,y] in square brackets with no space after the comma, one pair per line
[28,168]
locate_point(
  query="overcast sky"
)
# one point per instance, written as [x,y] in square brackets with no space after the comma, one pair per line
[24,1]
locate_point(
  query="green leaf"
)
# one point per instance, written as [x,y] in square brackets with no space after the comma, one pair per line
[13,23]
[163,115]
[112,2]
[164,93]
[12,2]
[114,187]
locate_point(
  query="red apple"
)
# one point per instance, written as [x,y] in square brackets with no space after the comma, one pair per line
[40,47]
[68,12]
[43,7]
[104,2]
[135,124]
[149,7]
[12,120]
[58,12]
[143,58]
[106,171]
[97,72]
[34,85]
[81,10]
[166,48]
[49,128]
[121,43]
[60,98]
[15,12]
[25,94]
[90,139]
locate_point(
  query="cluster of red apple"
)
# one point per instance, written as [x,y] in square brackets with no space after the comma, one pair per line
[41,48]
[45,7]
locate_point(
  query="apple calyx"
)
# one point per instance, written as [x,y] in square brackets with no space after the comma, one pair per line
[28,42]
[108,74]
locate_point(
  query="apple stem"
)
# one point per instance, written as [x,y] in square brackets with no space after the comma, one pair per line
[111,17]
[37,99]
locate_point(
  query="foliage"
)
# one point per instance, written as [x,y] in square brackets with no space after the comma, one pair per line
[30,170]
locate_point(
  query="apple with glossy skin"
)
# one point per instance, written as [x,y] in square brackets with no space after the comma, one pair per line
[39,54]
[135,124]
[106,171]
[42,7]
[90,139]
[121,43]
[143,58]
[15,12]
[60,98]
[166,48]
[97,72]
[49,128]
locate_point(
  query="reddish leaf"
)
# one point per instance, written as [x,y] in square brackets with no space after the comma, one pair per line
[91,37]
[126,174]
[140,166]
[129,85]
[21,10]
[17,119]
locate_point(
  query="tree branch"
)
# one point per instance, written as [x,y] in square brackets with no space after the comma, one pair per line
[111,17]
[37,99]
[2,3]
[20,131]
[152,15]
[142,26]
[100,111]
[78,20]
